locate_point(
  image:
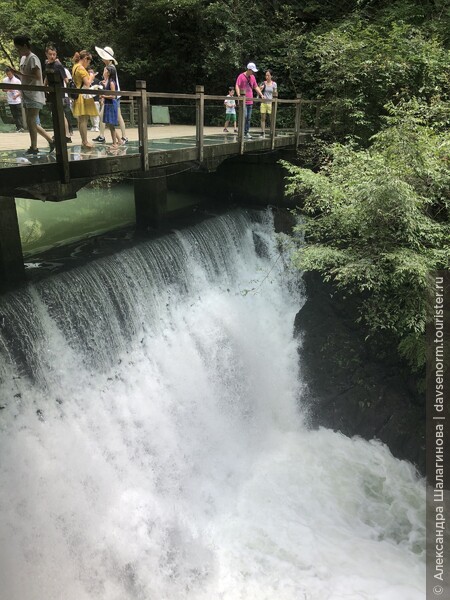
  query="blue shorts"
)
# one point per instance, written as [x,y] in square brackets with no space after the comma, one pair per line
[32,104]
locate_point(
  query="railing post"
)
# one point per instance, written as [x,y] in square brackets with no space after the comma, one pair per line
[298,119]
[132,121]
[11,259]
[59,128]
[241,123]
[141,86]
[200,119]
[273,119]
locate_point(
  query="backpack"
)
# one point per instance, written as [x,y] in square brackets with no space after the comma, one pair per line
[71,85]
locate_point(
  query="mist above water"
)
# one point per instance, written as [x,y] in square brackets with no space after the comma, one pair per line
[153,443]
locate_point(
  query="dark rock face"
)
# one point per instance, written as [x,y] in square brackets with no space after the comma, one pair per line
[349,387]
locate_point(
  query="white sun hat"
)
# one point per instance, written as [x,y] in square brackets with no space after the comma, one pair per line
[252,66]
[107,53]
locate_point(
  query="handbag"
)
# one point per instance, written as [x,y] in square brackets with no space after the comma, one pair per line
[71,85]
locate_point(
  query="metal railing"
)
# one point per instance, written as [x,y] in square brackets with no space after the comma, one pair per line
[141,97]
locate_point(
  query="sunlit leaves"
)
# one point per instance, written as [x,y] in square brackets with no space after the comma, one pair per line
[364,62]
[376,222]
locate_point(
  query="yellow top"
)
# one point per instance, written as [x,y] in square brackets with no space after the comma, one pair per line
[82,106]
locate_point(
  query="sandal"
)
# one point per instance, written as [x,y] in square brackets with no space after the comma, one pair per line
[87,146]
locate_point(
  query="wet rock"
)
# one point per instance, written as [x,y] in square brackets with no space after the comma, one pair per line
[350,386]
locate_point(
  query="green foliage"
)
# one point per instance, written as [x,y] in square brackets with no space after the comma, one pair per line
[364,62]
[62,22]
[376,222]
[355,55]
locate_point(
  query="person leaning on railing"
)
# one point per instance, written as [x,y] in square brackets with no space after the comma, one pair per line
[245,84]
[83,107]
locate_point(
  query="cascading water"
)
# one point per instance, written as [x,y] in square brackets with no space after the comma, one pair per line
[153,445]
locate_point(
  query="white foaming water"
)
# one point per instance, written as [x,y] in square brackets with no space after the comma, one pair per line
[153,447]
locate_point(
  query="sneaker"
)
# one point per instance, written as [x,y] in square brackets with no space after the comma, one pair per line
[52,146]
[20,130]
[225,130]
[248,136]
[32,152]
[235,131]
[68,140]
[99,139]
[124,140]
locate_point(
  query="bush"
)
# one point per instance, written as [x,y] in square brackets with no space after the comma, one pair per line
[376,222]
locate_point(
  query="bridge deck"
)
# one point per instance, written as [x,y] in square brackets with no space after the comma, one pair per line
[37,177]
[161,139]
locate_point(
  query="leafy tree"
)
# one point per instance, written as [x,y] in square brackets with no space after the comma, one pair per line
[156,40]
[377,222]
[355,54]
[62,22]
[362,63]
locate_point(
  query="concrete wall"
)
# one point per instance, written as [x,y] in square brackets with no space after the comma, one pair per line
[247,179]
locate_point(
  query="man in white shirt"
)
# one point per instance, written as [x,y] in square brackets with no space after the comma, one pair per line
[33,101]
[14,99]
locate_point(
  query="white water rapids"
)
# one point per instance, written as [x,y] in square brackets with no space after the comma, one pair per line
[153,446]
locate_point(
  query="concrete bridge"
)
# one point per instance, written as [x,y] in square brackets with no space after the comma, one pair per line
[151,156]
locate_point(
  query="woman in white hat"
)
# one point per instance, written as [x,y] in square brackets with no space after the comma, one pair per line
[106,53]
[107,56]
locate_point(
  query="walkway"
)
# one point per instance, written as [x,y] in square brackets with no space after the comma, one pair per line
[161,138]
[41,177]
[152,155]
[59,175]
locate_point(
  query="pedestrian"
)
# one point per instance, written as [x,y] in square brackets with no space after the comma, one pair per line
[83,107]
[68,102]
[245,84]
[111,105]
[268,87]
[107,56]
[54,64]
[33,101]
[95,85]
[14,99]
[230,110]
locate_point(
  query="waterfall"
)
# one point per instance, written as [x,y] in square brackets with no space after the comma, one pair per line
[153,444]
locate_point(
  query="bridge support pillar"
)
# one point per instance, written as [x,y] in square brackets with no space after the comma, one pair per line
[12,269]
[150,199]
